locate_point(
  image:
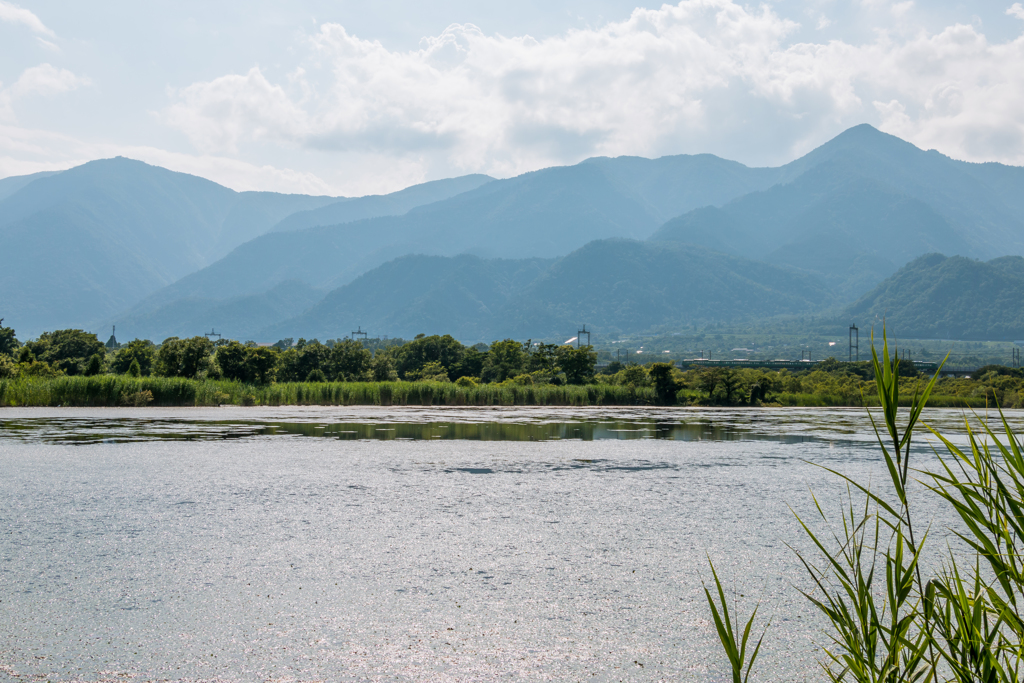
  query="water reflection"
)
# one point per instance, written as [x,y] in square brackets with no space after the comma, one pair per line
[123,430]
[787,426]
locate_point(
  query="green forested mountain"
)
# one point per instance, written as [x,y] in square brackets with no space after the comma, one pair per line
[935,297]
[372,206]
[614,285]
[460,295]
[243,317]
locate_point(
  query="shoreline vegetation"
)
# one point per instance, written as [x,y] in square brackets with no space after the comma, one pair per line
[889,616]
[74,368]
[124,391]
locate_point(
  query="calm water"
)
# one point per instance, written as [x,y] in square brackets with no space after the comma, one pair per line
[388,544]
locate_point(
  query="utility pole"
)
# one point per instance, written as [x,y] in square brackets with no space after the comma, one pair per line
[212,333]
[359,331]
[854,342]
[1016,355]
[579,336]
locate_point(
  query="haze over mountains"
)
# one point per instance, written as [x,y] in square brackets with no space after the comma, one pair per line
[624,244]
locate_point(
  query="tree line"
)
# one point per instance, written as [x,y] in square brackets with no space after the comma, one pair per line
[507,362]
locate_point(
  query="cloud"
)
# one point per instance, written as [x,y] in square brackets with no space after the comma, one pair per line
[1016,10]
[701,76]
[13,14]
[24,150]
[42,80]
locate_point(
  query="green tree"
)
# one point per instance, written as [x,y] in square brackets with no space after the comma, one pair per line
[306,356]
[8,342]
[66,350]
[184,357]
[94,366]
[412,357]
[470,365]
[136,351]
[543,358]
[382,368]
[134,370]
[8,368]
[232,362]
[350,361]
[577,364]
[665,384]
[261,362]
[505,360]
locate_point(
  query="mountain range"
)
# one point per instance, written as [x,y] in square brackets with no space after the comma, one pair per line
[625,244]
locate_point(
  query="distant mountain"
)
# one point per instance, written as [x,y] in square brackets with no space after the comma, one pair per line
[241,318]
[459,295]
[543,214]
[862,205]
[91,241]
[120,241]
[935,297]
[374,206]
[614,285]
[83,245]
[9,186]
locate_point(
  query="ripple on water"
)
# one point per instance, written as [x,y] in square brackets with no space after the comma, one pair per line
[223,545]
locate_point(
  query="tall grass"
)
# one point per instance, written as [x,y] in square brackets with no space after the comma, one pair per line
[888,621]
[120,390]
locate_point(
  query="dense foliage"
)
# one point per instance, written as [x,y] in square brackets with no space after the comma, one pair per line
[442,359]
[934,297]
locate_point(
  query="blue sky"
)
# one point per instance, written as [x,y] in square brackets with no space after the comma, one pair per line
[353,98]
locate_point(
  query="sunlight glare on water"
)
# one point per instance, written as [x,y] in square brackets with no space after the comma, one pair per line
[411,544]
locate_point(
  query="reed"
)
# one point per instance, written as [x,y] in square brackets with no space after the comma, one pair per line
[122,390]
[889,622]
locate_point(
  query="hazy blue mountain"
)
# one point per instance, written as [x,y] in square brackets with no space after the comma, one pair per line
[460,295]
[613,285]
[91,241]
[543,214]
[626,286]
[862,205]
[935,297]
[240,318]
[374,206]
[981,201]
[9,186]
[672,185]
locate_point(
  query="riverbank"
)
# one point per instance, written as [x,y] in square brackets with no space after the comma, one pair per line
[122,390]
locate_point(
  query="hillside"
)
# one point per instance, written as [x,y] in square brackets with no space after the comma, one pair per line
[856,209]
[240,318]
[614,285]
[373,206]
[935,297]
[91,241]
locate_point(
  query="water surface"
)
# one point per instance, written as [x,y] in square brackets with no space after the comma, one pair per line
[409,543]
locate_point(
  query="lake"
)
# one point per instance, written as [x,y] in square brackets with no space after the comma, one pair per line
[413,544]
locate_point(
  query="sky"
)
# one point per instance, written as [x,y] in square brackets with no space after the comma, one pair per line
[352,98]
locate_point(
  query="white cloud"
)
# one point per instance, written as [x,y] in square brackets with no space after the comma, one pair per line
[47,80]
[1016,10]
[705,75]
[13,14]
[24,151]
[42,80]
